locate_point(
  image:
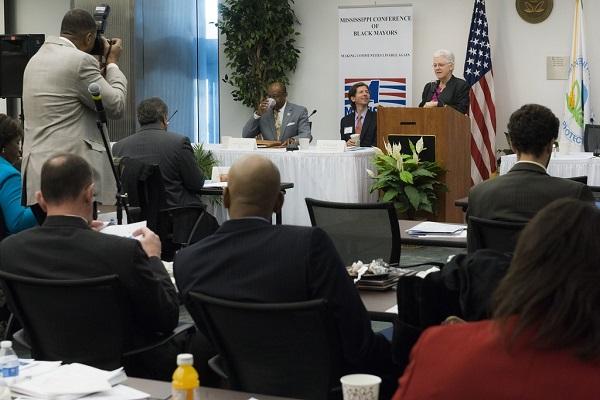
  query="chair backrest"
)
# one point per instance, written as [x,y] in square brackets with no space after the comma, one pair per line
[360,231]
[492,234]
[285,349]
[146,194]
[591,138]
[581,179]
[69,320]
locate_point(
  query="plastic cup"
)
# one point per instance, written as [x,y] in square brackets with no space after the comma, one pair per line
[360,387]
[356,139]
[304,143]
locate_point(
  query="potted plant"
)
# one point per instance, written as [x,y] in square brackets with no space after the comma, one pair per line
[410,183]
[206,160]
[260,45]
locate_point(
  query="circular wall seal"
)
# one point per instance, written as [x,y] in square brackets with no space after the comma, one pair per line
[534,11]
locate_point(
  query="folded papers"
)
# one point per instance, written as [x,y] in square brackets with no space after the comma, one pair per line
[50,380]
[436,228]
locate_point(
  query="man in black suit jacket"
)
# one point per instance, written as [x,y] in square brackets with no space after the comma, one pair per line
[153,144]
[249,259]
[66,247]
[527,187]
[360,116]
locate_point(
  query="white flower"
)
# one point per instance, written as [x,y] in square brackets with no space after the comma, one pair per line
[388,148]
[370,173]
[419,145]
[400,164]
[396,151]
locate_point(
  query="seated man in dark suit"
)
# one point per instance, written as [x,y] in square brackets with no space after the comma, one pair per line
[172,152]
[251,260]
[66,247]
[527,187]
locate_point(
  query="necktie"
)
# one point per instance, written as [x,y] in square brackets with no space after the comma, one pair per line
[277,124]
[359,124]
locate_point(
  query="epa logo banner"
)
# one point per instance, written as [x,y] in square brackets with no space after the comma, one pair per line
[390,92]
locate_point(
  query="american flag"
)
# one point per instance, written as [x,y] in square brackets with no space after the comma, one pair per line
[479,75]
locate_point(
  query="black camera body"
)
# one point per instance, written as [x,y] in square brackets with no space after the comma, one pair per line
[101,13]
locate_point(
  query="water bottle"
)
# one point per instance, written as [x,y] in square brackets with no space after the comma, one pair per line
[9,362]
[185,379]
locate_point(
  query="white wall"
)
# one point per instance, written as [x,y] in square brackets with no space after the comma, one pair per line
[40,16]
[519,53]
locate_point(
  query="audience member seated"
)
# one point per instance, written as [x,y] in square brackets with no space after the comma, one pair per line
[66,247]
[544,340]
[248,259]
[361,120]
[527,187]
[14,215]
[281,121]
[172,152]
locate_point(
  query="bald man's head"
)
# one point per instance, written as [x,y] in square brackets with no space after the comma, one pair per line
[253,188]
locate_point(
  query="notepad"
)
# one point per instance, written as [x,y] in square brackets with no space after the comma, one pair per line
[436,228]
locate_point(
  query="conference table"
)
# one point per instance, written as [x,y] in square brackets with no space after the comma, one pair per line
[564,166]
[162,391]
[340,177]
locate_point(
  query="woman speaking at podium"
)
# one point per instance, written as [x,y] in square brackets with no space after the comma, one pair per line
[447,90]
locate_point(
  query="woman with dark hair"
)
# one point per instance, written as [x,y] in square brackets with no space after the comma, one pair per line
[544,340]
[14,215]
[361,120]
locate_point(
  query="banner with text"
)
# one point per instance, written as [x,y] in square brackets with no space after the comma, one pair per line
[376,45]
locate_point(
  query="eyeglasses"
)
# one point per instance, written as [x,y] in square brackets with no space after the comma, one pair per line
[439,65]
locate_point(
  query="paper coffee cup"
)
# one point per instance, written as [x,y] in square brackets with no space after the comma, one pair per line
[360,387]
[355,138]
[304,143]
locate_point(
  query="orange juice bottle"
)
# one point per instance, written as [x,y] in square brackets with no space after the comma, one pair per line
[185,379]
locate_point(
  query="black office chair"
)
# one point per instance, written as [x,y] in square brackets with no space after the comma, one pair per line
[176,226]
[581,179]
[360,231]
[75,320]
[284,349]
[591,138]
[493,234]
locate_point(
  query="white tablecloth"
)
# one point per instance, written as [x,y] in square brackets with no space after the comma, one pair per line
[325,176]
[565,166]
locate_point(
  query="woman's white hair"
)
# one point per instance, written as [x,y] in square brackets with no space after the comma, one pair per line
[447,54]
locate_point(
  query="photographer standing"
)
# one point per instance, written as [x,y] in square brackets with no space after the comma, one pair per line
[59,111]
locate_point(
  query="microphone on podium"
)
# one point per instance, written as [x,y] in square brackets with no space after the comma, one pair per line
[94,90]
[312,113]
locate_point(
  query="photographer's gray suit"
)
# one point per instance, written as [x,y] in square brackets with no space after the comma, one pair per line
[60,115]
[294,124]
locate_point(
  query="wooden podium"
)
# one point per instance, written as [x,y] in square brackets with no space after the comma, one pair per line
[448,131]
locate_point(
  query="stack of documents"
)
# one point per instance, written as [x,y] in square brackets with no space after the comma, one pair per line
[50,380]
[429,228]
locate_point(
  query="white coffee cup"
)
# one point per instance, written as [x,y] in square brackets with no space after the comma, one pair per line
[225,141]
[304,143]
[360,387]
[356,139]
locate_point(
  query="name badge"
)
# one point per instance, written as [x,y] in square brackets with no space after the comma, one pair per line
[348,130]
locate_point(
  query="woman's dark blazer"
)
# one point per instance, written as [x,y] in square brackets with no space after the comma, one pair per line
[368,135]
[455,94]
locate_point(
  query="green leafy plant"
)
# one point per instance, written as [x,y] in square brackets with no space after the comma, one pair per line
[206,160]
[260,45]
[411,184]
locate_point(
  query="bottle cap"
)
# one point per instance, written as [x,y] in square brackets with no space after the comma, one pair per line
[5,344]
[185,359]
